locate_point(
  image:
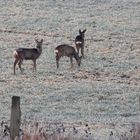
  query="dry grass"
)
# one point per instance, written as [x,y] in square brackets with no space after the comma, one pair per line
[38,131]
[134,134]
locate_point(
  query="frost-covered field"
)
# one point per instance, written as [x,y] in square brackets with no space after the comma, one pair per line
[105,90]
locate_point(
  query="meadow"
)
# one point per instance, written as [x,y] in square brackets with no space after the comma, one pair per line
[104,92]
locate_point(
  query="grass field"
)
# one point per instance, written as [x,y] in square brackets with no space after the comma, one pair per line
[105,90]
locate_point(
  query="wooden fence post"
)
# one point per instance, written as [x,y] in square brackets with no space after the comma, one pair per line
[139,103]
[15,117]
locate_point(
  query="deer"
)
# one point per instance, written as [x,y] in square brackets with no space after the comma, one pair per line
[33,54]
[69,51]
[79,41]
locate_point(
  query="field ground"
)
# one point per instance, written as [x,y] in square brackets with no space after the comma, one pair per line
[103,92]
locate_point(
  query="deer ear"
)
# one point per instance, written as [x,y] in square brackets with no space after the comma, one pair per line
[36,40]
[80,31]
[41,41]
[84,30]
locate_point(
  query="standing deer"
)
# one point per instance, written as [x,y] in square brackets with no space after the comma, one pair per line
[69,51]
[21,54]
[79,41]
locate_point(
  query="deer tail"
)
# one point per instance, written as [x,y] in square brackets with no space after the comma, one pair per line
[56,51]
[15,54]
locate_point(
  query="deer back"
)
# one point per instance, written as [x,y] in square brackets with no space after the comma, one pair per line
[64,50]
[28,53]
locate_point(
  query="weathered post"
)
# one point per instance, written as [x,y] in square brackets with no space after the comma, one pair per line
[15,117]
[139,103]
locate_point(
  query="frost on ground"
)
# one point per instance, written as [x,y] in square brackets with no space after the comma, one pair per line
[104,90]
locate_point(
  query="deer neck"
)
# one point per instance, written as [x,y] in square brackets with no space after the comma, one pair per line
[39,49]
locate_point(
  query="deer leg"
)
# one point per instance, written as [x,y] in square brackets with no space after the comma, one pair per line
[77,49]
[19,64]
[34,65]
[57,61]
[71,61]
[82,52]
[21,61]
[16,61]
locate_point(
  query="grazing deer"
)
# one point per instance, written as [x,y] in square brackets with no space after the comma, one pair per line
[69,51]
[21,54]
[79,41]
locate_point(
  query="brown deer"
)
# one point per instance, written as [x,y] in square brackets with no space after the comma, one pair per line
[21,54]
[79,41]
[69,51]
